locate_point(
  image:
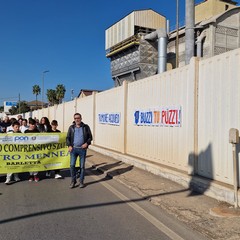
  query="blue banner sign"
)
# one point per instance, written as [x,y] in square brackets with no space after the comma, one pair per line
[109,118]
[10,104]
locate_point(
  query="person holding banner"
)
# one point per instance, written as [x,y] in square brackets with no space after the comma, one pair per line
[32,129]
[54,125]
[15,129]
[78,139]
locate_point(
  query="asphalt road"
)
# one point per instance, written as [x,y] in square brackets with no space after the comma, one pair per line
[104,209]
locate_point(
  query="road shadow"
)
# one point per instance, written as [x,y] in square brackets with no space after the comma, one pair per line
[108,176]
[120,171]
[200,166]
[96,205]
[109,166]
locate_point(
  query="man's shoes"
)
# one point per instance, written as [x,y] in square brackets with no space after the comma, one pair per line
[30,179]
[72,185]
[81,185]
[48,174]
[58,176]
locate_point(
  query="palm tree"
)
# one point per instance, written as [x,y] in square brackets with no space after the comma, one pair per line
[51,95]
[60,92]
[36,91]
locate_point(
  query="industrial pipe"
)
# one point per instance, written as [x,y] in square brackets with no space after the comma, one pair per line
[161,36]
[190,23]
[199,43]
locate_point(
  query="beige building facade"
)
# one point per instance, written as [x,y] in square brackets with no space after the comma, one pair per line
[215,35]
[210,8]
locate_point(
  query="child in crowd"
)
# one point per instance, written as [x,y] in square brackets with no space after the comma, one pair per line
[54,125]
[24,125]
[14,129]
[32,129]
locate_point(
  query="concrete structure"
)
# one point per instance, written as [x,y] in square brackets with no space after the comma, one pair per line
[216,30]
[36,104]
[132,57]
[86,92]
[210,8]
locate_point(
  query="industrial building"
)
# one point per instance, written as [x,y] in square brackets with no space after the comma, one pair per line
[217,24]
[133,58]
[136,44]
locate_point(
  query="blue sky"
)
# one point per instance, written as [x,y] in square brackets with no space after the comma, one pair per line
[66,37]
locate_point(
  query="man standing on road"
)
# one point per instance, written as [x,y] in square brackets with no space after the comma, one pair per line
[79,136]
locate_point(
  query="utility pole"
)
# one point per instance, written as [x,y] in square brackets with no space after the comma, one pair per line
[189,30]
[177,33]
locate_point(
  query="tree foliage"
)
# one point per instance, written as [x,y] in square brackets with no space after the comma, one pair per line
[55,96]
[22,107]
[36,91]
[51,96]
[60,92]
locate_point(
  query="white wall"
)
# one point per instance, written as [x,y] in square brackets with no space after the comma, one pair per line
[219,110]
[169,146]
[110,136]
[207,116]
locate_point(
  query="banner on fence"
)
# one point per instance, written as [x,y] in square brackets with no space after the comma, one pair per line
[165,116]
[109,118]
[33,152]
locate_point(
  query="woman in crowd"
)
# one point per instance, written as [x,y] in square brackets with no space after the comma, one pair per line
[44,125]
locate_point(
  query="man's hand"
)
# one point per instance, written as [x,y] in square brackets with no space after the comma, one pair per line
[84,146]
[70,148]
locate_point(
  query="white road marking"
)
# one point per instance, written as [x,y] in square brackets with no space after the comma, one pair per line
[159,225]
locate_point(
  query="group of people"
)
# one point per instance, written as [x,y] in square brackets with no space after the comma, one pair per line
[31,125]
[78,139]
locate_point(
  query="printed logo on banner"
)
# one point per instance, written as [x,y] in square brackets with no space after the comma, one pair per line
[30,139]
[109,118]
[21,139]
[37,139]
[165,116]
[6,139]
[143,118]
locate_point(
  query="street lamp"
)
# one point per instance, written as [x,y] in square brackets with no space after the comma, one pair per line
[43,74]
